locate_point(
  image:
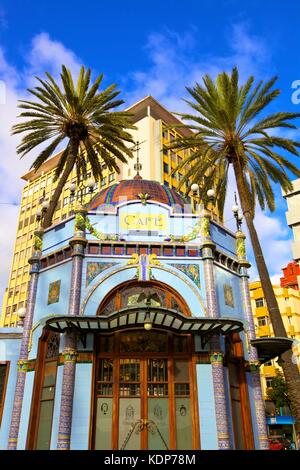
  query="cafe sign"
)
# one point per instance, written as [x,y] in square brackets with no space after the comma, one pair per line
[140,221]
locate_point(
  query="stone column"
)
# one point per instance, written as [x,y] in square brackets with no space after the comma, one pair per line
[78,243]
[253,359]
[216,358]
[34,261]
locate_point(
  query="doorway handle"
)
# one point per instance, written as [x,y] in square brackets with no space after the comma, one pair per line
[140,424]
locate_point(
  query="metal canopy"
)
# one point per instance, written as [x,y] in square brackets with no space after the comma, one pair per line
[134,317]
[269,348]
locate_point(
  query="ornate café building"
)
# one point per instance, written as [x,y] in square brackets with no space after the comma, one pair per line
[138,332]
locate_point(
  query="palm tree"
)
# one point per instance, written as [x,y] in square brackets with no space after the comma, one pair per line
[82,116]
[228,130]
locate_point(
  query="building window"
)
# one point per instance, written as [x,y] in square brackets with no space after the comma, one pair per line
[269,363]
[111,177]
[4,368]
[103,182]
[166,168]
[65,201]
[290,320]
[269,382]
[263,321]
[259,302]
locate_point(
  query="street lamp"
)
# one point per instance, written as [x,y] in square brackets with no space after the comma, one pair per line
[237,215]
[21,315]
[147,321]
[40,213]
[90,185]
[210,193]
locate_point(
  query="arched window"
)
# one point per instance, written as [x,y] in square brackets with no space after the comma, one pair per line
[132,294]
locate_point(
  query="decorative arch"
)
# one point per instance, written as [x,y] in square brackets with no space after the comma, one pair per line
[135,293]
[104,285]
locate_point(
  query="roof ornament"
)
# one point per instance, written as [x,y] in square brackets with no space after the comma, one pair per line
[137,166]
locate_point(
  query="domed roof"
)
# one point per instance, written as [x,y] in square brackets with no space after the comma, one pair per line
[135,189]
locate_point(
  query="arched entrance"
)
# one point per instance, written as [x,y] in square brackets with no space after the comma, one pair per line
[144,391]
[144,384]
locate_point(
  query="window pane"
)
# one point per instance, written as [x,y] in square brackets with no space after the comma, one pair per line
[50,373]
[48,393]
[129,370]
[129,416]
[181,371]
[103,423]
[183,424]
[157,370]
[158,425]
[44,432]
[105,370]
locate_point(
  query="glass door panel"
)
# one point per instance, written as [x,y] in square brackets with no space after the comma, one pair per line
[129,430]
[104,403]
[183,423]
[103,423]
[182,405]
[130,404]
[158,424]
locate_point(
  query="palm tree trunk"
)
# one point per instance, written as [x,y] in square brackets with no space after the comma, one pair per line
[61,183]
[290,368]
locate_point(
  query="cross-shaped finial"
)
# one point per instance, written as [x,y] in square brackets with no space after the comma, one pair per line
[137,165]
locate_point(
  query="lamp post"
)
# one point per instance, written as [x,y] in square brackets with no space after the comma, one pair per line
[21,315]
[82,187]
[196,193]
[237,215]
[41,212]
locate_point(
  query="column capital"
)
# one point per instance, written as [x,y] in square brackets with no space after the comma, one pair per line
[244,263]
[78,239]
[253,366]
[22,365]
[35,257]
[216,358]
[70,355]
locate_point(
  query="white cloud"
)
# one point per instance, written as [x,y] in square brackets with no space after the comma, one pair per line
[44,54]
[178,61]
[48,55]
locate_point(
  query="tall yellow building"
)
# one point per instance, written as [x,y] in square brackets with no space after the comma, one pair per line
[154,132]
[289,305]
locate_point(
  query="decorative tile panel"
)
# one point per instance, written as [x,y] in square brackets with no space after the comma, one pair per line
[54,292]
[228,295]
[191,270]
[94,269]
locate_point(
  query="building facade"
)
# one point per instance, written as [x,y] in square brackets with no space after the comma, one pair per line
[293,220]
[153,132]
[291,275]
[138,332]
[288,300]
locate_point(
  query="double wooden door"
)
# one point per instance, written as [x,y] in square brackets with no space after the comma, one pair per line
[143,400]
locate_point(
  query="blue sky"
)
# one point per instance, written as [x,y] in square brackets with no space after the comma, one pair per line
[155,48]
